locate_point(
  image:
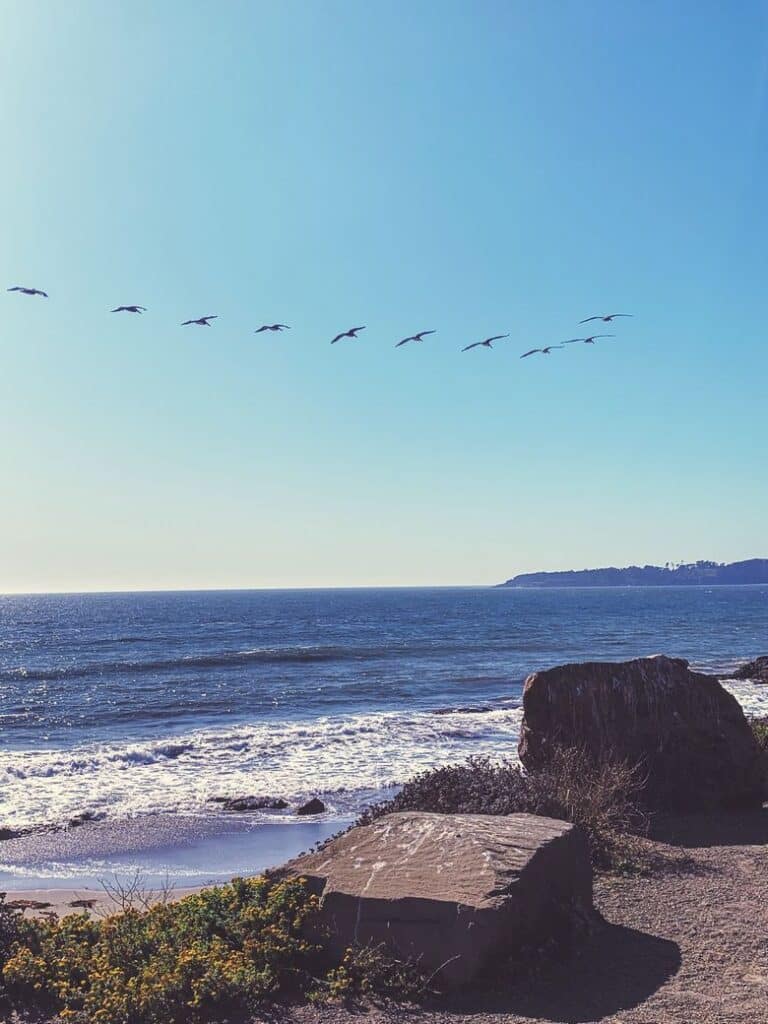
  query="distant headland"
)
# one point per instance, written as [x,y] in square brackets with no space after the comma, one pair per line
[754,570]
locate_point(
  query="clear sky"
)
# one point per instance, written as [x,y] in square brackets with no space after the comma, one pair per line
[477,168]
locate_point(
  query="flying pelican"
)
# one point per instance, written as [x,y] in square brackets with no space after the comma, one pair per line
[605,319]
[486,343]
[28,291]
[544,351]
[414,337]
[202,321]
[351,333]
[588,341]
[272,327]
[129,309]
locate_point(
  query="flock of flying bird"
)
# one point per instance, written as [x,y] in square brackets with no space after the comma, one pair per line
[205,321]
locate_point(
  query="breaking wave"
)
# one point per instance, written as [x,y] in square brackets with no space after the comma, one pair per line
[349,759]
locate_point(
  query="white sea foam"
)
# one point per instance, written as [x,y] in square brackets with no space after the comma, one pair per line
[349,759]
[753,697]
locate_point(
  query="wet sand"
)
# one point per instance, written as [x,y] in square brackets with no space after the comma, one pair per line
[187,852]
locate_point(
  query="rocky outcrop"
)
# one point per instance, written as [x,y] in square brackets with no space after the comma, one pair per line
[688,733]
[455,892]
[756,671]
[253,803]
[84,817]
[313,806]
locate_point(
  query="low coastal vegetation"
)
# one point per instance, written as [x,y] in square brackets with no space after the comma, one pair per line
[604,798]
[760,732]
[225,950]
[760,729]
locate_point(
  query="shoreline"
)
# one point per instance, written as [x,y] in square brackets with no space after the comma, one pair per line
[192,849]
[484,727]
[186,852]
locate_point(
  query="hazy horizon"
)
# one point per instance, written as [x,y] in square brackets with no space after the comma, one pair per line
[455,585]
[469,169]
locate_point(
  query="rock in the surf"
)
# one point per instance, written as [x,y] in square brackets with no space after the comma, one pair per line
[253,803]
[756,671]
[456,892]
[313,806]
[686,731]
[84,817]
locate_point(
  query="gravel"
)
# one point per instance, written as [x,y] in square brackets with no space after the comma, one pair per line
[688,944]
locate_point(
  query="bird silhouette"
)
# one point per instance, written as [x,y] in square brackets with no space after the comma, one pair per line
[486,343]
[588,341]
[28,291]
[129,309]
[414,337]
[202,321]
[272,327]
[351,333]
[605,319]
[544,351]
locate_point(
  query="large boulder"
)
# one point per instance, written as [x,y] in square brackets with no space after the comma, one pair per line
[688,733]
[452,891]
[756,671]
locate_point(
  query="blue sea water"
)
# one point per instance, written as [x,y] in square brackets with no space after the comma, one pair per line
[120,704]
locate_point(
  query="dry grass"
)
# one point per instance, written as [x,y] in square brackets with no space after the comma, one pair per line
[603,798]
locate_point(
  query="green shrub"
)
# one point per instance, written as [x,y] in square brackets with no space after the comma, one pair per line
[760,731]
[222,950]
[602,798]
[372,972]
[12,929]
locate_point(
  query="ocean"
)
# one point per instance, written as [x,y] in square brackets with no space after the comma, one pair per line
[119,705]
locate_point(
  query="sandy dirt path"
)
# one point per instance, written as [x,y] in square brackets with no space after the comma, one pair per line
[686,946]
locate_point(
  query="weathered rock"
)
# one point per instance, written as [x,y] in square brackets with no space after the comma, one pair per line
[453,891]
[84,817]
[756,671]
[253,803]
[687,731]
[17,833]
[313,806]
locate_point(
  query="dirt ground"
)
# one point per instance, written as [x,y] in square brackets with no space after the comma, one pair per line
[688,944]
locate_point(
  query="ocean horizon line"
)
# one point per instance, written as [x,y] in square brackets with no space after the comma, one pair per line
[349,588]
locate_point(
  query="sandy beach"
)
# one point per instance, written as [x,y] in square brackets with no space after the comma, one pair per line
[166,851]
[86,900]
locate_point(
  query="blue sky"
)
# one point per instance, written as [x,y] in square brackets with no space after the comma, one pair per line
[476,168]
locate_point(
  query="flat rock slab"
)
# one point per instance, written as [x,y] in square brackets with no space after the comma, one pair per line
[686,731]
[455,892]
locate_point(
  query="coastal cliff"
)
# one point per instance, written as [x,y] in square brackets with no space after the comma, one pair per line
[753,570]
